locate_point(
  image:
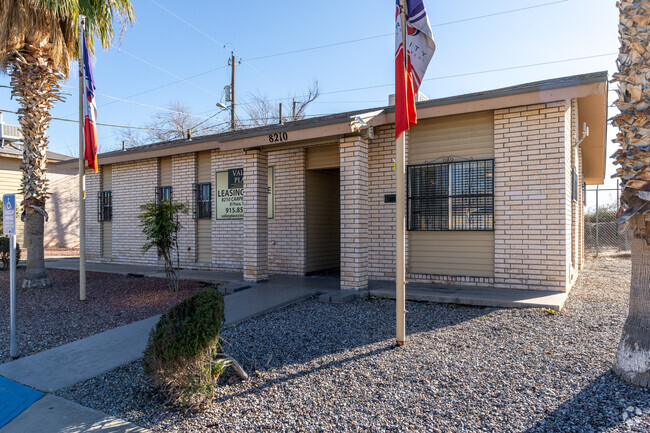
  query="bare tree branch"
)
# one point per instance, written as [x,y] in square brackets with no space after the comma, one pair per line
[262,112]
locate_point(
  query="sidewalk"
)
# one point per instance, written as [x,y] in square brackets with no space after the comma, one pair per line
[75,362]
[72,264]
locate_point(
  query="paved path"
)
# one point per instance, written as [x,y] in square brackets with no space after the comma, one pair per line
[75,362]
[472,295]
[72,263]
[52,414]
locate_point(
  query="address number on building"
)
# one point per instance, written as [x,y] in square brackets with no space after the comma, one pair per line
[278,137]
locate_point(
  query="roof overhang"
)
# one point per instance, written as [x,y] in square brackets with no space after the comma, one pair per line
[592,111]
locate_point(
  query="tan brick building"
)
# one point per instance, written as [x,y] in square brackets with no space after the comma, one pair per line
[62,228]
[495,191]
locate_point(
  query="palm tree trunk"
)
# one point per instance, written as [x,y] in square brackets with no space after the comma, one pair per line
[633,357]
[36,87]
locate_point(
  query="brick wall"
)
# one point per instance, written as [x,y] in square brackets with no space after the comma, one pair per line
[535,221]
[381,216]
[62,227]
[183,179]
[134,184]
[530,196]
[255,235]
[93,226]
[227,253]
[354,212]
[287,229]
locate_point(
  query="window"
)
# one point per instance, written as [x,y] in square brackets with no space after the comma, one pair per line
[203,200]
[451,196]
[574,184]
[105,206]
[164,193]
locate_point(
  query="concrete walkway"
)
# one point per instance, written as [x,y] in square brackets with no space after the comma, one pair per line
[72,264]
[52,414]
[80,360]
[472,295]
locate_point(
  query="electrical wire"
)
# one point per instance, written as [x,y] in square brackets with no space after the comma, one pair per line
[444,77]
[187,23]
[140,103]
[326,45]
[335,44]
[146,62]
[98,123]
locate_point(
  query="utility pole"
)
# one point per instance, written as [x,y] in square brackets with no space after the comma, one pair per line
[232,63]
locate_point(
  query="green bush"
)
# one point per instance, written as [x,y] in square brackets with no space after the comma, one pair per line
[5,253]
[181,355]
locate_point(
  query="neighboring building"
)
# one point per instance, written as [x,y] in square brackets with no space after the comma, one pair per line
[495,191]
[62,227]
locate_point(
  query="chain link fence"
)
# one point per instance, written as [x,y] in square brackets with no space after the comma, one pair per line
[601,205]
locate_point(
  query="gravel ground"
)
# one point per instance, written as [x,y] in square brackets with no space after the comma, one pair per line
[47,318]
[324,367]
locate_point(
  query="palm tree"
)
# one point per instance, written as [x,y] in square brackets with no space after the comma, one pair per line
[633,357]
[38,42]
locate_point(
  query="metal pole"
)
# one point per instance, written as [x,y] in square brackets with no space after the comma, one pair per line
[13,351]
[293,112]
[400,252]
[82,177]
[597,211]
[280,114]
[232,92]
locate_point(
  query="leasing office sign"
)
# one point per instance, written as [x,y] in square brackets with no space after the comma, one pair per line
[230,194]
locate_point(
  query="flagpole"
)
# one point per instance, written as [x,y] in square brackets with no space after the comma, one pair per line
[82,177]
[400,253]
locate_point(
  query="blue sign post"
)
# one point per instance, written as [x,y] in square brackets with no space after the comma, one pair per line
[9,228]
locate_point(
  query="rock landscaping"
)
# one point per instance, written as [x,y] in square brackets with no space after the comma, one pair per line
[333,367]
[47,318]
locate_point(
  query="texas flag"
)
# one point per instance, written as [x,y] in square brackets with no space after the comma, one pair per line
[419,51]
[90,110]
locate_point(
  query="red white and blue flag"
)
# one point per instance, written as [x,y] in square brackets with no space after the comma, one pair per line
[90,110]
[419,51]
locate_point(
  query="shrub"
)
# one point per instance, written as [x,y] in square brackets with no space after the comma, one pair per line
[181,356]
[5,253]
[160,224]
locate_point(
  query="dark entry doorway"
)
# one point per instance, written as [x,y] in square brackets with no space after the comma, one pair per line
[323,221]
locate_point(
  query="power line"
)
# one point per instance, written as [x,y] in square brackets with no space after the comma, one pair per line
[139,103]
[188,24]
[530,65]
[167,85]
[181,79]
[327,45]
[393,34]
[99,123]
[120,50]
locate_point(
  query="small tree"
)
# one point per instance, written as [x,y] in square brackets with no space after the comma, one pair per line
[160,223]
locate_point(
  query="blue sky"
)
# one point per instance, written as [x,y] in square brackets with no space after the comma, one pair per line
[161,47]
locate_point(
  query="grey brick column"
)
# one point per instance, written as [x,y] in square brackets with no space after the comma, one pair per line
[255,233]
[354,213]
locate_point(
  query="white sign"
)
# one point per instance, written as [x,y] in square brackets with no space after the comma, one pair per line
[9,214]
[230,194]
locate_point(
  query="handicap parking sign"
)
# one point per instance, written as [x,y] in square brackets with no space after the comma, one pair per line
[9,214]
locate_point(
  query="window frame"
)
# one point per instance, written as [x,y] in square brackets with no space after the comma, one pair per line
[160,193]
[447,219]
[574,184]
[198,211]
[105,206]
